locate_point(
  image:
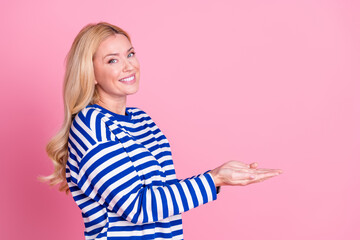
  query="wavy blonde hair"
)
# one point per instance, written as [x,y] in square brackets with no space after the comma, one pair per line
[78,92]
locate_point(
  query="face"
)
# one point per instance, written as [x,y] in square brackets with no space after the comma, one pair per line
[117,71]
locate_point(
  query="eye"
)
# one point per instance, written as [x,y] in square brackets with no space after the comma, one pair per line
[131,54]
[112,61]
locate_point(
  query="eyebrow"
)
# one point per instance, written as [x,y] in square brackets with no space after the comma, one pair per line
[117,54]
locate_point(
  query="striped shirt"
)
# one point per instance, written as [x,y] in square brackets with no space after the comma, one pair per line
[121,175]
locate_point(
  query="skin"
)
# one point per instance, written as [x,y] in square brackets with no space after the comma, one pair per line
[114,60]
[235,173]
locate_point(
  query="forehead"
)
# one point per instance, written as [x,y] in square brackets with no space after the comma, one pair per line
[116,43]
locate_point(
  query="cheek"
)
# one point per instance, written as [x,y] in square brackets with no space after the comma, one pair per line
[135,63]
[97,73]
[102,74]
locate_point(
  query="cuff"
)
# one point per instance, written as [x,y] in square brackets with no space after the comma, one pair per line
[214,189]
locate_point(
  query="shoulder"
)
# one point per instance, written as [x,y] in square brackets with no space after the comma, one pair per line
[138,114]
[89,127]
[84,118]
[91,116]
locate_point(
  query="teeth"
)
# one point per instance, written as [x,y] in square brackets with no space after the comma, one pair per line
[127,79]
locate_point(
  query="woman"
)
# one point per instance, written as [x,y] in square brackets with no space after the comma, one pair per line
[114,159]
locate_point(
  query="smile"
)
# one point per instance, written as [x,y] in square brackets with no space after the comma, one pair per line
[128,79]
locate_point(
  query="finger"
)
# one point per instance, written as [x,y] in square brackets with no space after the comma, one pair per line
[265,175]
[238,164]
[254,165]
[241,175]
[265,170]
[250,173]
[260,177]
[260,180]
[279,170]
[257,180]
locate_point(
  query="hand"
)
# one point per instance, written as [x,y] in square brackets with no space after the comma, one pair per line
[238,173]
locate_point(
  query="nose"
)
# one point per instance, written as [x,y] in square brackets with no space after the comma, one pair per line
[127,66]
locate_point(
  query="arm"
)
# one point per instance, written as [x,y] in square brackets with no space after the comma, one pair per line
[107,175]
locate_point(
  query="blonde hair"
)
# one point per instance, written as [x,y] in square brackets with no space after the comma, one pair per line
[78,92]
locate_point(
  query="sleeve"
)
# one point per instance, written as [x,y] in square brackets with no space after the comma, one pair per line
[107,175]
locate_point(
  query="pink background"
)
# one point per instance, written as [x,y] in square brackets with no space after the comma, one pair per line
[275,82]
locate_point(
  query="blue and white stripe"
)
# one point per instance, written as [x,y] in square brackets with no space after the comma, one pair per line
[121,175]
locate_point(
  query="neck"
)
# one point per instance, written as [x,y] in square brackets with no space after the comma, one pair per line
[117,106]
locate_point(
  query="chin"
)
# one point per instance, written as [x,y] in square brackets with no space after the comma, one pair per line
[132,91]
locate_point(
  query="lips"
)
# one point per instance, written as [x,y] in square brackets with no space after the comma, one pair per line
[129,79]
